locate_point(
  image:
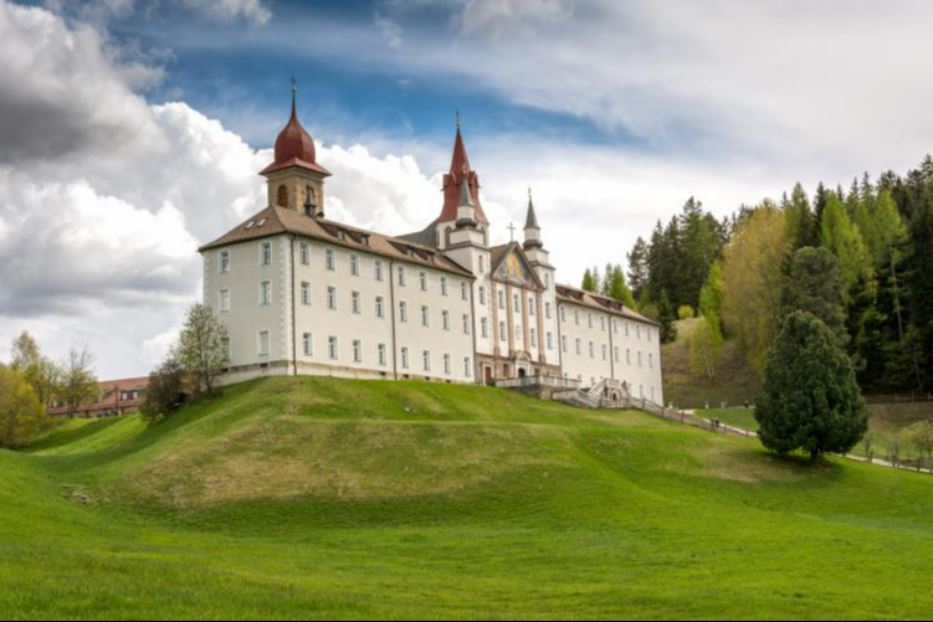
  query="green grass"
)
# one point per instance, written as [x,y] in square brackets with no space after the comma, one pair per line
[739,417]
[322,498]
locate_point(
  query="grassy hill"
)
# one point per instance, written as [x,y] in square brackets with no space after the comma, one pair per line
[313,498]
[734,382]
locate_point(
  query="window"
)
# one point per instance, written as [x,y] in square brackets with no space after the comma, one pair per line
[357,351]
[639,358]
[377,267]
[423,281]
[446,364]
[502,335]
[533,338]
[482,296]
[225,261]
[331,297]
[547,310]
[516,306]
[501,299]
[354,265]
[615,326]
[466,323]
[224,300]
[563,315]
[603,348]
[563,343]
[304,254]
[589,320]
[355,302]
[550,340]
[307,344]
[329,259]
[305,293]
[628,356]
[404,357]
[401,276]
[602,323]
[265,293]
[590,348]
[282,197]
[226,347]
[625,325]
[576,317]
[445,319]
[615,353]
[650,360]
[547,280]
[380,307]
[531,306]
[381,352]
[466,367]
[482,264]
[577,345]
[424,315]
[426,360]
[637,331]
[443,286]
[265,254]
[484,327]
[263,343]
[332,347]
[463,290]
[402,311]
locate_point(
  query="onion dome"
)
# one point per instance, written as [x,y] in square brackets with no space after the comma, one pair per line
[294,146]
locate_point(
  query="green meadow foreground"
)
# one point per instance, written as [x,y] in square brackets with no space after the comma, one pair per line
[325,498]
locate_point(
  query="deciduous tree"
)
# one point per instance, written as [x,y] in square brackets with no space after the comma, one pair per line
[203,346]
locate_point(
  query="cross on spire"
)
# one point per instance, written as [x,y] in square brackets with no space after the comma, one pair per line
[511,229]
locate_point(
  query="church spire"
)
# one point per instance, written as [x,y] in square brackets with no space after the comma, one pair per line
[460,171]
[532,230]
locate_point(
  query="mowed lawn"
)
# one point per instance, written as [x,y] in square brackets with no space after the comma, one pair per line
[322,498]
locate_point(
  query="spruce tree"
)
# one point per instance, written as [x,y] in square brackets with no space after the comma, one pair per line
[666,318]
[809,398]
[815,284]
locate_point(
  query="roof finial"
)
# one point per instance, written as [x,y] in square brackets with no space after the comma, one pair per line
[529,194]
[458,120]
[294,90]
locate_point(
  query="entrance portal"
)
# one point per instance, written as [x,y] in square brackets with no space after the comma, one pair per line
[521,372]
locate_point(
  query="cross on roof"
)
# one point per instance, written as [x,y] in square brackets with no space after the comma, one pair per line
[511,229]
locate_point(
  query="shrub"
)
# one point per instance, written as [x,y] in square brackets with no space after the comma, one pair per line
[165,392]
[21,414]
[685,312]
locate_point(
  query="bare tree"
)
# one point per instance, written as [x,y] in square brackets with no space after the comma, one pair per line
[921,434]
[868,443]
[894,450]
[202,346]
[79,384]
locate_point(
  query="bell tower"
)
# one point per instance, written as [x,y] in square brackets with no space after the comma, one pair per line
[295,179]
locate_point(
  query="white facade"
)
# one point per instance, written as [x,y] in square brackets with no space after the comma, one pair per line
[300,294]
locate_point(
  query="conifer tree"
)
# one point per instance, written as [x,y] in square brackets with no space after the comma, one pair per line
[809,398]
[667,318]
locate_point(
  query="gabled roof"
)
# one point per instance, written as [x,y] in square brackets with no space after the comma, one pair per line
[276,220]
[565,293]
[499,253]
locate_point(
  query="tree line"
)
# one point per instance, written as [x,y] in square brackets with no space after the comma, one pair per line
[31,384]
[859,259]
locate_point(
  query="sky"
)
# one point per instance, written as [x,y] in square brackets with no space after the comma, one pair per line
[131,132]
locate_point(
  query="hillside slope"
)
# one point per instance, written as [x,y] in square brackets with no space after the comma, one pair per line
[312,498]
[734,382]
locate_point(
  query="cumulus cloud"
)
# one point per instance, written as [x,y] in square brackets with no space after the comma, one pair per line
[62,92]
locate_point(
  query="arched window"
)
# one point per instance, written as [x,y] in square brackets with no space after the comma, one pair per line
[283,196]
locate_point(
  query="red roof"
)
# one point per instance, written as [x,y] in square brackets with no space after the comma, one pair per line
[460,168]
[294,147]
